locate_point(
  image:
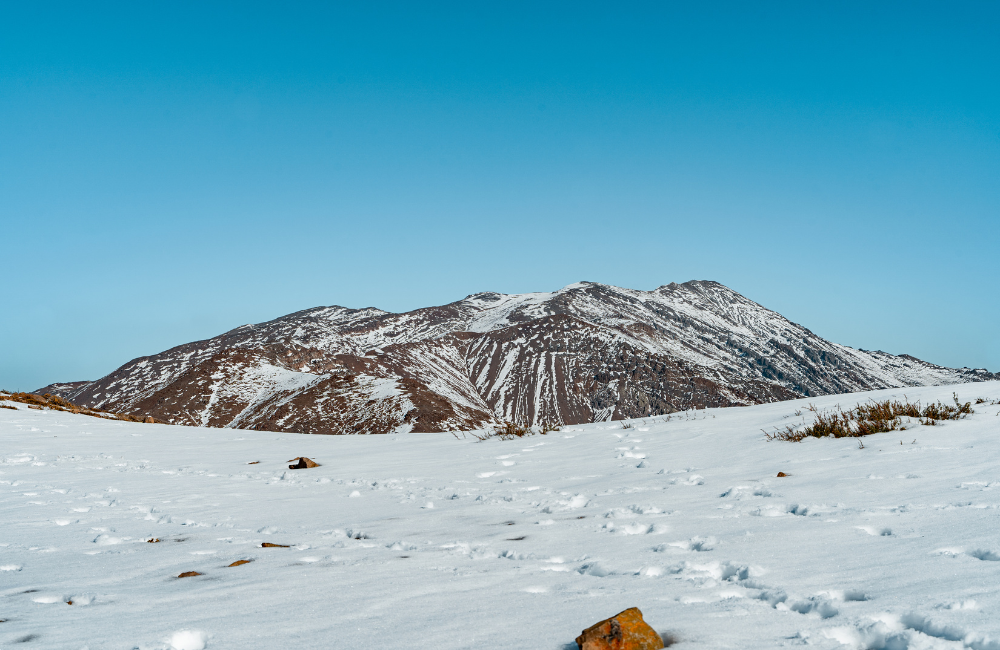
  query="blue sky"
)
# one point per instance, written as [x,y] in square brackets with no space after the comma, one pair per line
[169,171]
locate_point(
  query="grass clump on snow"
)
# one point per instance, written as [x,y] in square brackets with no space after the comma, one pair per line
[56,403]
[510,431]
[873,417]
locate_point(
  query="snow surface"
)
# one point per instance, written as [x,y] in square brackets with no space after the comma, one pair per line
[416,541]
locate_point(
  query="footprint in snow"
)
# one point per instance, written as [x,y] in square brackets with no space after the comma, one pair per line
[987,556]
[815,606]
[897,629]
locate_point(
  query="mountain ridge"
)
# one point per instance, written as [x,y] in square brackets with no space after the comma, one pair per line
[587,352]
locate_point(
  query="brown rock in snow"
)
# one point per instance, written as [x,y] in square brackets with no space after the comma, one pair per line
[624,631]
[782,475]
[189,574]
[239,563]
[302,463]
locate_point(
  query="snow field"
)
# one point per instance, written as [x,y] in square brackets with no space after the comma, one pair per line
[422,540]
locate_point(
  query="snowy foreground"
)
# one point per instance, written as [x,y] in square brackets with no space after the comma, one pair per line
[425,541]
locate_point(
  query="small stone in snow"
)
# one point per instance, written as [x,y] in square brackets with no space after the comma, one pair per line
[302,463]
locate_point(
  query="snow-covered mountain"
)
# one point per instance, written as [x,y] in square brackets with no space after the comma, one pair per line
[587,353]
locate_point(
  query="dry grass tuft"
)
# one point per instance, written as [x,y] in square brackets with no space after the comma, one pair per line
[56,403]
[870,418]
[511,431]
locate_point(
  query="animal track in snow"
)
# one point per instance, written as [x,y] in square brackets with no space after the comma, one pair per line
[818,605]
[846,595]
[908,632]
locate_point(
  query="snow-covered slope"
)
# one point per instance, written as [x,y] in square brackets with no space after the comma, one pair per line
[428,541]
[588,352]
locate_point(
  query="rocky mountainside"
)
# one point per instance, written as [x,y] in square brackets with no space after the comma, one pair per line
[588,352]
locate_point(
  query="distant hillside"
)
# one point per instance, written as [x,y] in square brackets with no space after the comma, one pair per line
[588,352]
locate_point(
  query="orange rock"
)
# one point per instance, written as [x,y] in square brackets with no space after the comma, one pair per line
[153,540]
[624,631]
[240,562]
[782,475]
[270,545]
[302,463]
[189,574]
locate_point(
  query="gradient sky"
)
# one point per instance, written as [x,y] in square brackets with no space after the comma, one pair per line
[169,171]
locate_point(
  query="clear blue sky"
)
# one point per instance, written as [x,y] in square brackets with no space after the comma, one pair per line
[169,171]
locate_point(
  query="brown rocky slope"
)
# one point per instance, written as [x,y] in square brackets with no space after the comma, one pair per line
[588,352]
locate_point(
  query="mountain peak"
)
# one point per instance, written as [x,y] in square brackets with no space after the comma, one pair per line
[587,352]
